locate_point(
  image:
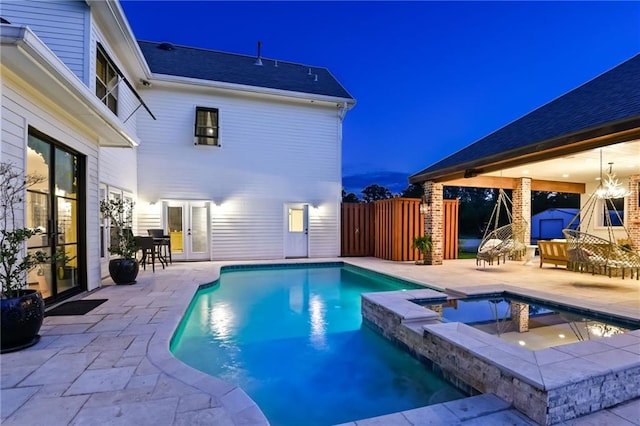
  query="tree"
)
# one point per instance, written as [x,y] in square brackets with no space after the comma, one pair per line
[413,191]
[541,201]
[350,197]
[375,192]
[476,205]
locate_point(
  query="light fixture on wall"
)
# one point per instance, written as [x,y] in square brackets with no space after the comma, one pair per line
[425,206]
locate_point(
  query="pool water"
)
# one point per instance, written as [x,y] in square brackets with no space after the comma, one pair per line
[292,339]
[546,325]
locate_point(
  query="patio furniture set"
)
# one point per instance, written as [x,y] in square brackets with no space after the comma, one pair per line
[156,245]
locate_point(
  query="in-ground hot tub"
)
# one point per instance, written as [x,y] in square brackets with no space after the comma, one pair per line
[548,385]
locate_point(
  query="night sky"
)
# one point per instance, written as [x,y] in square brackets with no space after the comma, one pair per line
[429,77]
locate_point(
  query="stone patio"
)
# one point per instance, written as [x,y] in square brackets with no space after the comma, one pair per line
[113,365]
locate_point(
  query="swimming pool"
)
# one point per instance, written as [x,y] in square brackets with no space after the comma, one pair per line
[528,322]
[292,339]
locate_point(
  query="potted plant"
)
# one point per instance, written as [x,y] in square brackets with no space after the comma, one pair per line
[423,244]
[124,269]
[22,309]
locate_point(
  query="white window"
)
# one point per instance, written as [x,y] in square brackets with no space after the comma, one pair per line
[206,127]
[296,220]
[107,80]
[108,233]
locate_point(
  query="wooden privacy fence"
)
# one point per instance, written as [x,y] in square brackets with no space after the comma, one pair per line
[386,229]
[397,222]
[357,235]
[450,210]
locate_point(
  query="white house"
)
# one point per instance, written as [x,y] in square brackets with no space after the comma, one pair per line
[101,116]
[263,180]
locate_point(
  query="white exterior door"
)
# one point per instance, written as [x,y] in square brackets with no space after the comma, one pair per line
[188,225]
[296,240]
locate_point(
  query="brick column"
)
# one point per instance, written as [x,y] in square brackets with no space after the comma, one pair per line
[434,221]
[521,210]
[633,221]
[520,316]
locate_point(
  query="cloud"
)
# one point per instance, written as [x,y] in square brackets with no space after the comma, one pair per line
[394,181]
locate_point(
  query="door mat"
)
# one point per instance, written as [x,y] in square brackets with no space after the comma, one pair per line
[75,307]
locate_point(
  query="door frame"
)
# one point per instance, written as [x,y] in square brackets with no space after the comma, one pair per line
[80,272]
[286,246]
[187,222]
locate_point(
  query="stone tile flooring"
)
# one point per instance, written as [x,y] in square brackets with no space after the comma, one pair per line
[113,365]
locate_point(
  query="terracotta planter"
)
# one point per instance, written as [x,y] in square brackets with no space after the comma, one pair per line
[124,271]
[22,318]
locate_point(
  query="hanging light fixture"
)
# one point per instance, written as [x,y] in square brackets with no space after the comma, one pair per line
[610,187]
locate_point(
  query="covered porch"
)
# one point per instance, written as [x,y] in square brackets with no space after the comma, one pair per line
[585,138]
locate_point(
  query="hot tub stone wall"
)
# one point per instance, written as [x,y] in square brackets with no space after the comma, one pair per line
[485,376]
[549,386]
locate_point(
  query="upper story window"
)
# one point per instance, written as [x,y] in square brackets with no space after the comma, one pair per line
[106,80]
[206,131]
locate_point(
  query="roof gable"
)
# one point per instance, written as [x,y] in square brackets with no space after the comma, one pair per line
[165,58]
[612,97]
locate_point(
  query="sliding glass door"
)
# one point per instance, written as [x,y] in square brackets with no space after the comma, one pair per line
[53,206]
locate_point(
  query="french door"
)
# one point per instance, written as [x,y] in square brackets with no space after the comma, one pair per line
[55,206]
[188,226]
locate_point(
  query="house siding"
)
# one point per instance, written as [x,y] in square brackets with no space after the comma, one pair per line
[127,101]
[272,152]
[117,166]
[62,25]
[21,107]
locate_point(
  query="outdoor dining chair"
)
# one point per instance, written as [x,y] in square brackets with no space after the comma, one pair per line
[149,249]
[163,241]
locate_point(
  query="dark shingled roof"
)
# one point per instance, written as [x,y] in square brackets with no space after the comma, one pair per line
[166,58]
[612,97]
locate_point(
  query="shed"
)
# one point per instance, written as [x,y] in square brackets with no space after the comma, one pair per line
[549,224]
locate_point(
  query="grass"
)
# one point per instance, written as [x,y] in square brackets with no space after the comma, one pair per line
[466,255]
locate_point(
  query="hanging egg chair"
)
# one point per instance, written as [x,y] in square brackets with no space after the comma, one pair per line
[501,241]
[598,255]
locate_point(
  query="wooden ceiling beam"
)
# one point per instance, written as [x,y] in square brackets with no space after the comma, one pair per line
[509,183]
[555,186]
[482,182]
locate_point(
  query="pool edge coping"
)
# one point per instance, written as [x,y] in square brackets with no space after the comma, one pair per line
[241,407]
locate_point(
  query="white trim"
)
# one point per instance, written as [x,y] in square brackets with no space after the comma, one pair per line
[233,87]
[115,20]
[23,52]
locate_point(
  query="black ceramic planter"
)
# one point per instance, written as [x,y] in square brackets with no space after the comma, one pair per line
[124,271]
[22,318]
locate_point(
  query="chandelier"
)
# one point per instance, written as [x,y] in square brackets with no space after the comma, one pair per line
[610,187]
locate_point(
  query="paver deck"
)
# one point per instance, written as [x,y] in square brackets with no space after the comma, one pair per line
[113,365]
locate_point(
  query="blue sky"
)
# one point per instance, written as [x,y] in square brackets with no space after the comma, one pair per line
[429,77]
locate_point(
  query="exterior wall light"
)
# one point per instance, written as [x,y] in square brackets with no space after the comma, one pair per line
[425,207]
